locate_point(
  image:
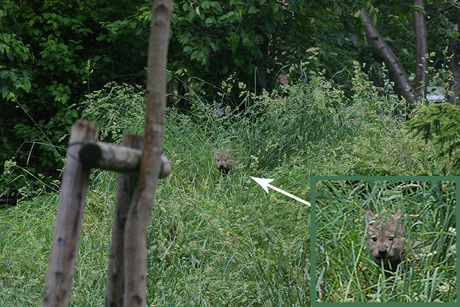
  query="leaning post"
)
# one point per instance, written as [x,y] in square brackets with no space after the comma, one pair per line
[75,180]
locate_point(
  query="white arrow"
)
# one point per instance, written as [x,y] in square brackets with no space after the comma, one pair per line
[265,184]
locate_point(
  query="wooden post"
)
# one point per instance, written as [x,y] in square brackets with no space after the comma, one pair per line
[125,190]
[139,213]
[120,159]
[64,247]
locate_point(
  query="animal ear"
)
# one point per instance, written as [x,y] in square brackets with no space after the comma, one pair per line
[369,216]
[228,149]
[397,214]
[215,150]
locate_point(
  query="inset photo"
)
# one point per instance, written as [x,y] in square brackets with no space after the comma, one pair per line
[384,239]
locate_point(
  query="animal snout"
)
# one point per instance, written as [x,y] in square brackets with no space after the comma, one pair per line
[383,252]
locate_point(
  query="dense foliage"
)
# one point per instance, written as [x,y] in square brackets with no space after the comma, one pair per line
[51,55]
[440,123]
[54,53]
[345,272]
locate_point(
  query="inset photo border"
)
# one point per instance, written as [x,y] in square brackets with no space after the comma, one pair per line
[384,239]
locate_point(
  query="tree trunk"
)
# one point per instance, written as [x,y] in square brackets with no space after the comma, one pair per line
[457,13]
[365,64]
[421,51]
[261,77]
[397,73]
[139,213]
[454,49]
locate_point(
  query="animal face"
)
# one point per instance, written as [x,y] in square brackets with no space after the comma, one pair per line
[386,239]
[223,160]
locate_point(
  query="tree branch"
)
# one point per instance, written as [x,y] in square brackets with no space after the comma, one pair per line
[396,70]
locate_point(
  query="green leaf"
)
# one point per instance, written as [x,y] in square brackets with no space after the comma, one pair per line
[5,91]
[191,15]
[374,19]
[13,76]
[209,21]
[357,14]
[205,5]
[217,7]
[194,55]
[341,40]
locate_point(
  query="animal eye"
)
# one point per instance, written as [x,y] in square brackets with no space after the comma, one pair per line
[374,239]
[390,238]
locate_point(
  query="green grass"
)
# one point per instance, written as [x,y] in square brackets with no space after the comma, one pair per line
[222,241]
[348,274]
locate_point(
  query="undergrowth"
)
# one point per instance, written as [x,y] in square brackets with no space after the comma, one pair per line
[216,240]
[345,272]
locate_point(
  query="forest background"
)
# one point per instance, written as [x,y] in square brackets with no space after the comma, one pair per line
[55,53]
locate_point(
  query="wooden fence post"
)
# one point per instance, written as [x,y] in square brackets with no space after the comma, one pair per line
[141,208]
[61,266]
[126,186]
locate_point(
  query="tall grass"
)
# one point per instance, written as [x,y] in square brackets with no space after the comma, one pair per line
[348,274]
[216,240]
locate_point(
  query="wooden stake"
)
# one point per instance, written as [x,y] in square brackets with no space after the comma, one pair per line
[119,159]
[58,281]
[139,213]
[125,191]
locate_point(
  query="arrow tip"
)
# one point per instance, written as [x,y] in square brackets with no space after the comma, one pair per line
[263,182]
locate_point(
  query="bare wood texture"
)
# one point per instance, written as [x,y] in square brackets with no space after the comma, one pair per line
[396,70]
[421,50]
[120,159]
[125,191]
[139,213]
[58,281]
